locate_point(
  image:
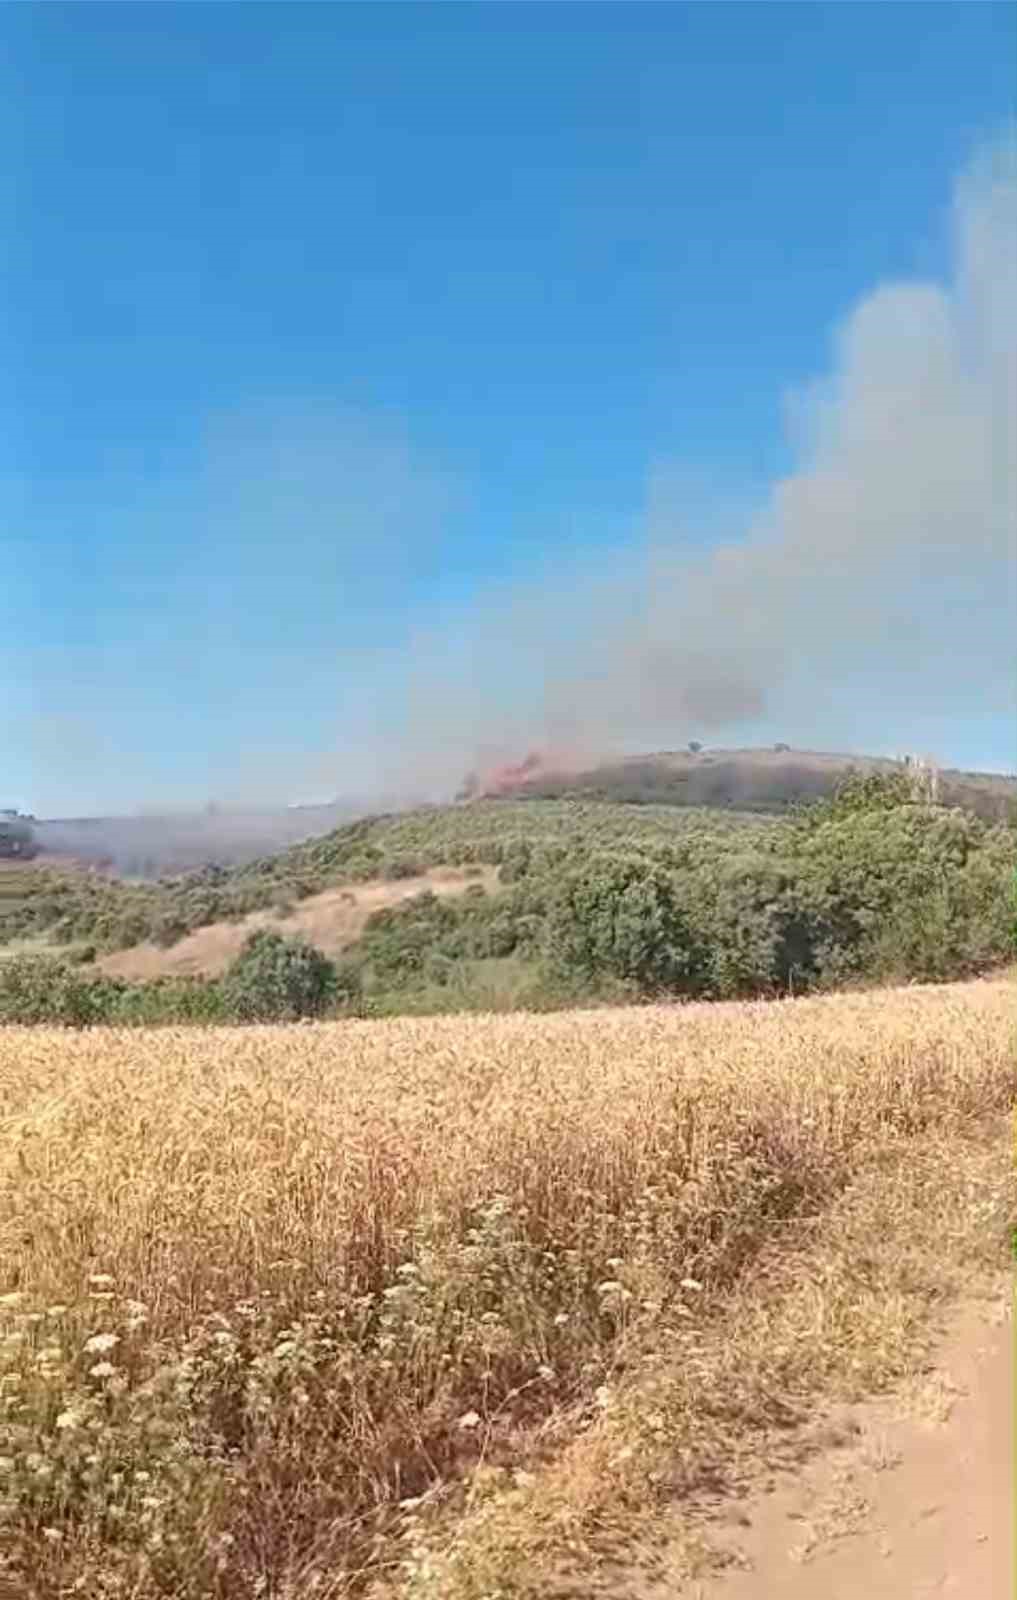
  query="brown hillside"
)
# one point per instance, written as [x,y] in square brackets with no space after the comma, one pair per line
[332,921]
[770,780]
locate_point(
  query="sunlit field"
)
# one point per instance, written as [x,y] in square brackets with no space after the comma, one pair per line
[413,1307]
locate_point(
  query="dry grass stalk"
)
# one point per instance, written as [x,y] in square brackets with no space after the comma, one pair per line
[269,1292]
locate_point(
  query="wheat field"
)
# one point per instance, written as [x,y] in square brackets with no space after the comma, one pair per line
[406,1307]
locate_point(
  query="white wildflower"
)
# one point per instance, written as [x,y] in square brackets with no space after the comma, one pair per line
[137,1314]
[99,1343]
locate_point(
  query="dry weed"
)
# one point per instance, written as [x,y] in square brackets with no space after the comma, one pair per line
[271,1294]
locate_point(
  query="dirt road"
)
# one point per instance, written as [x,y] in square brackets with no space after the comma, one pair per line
[918,1501]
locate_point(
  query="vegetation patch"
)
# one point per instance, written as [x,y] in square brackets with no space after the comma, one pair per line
[595,903]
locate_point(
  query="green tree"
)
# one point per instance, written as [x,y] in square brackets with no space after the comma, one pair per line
[622,920]
[858,793]
[276,979]
[761,928]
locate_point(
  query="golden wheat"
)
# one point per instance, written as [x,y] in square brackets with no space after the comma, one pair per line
[265,1288]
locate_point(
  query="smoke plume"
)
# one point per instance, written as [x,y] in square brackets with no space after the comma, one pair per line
[872,594]
[268,592]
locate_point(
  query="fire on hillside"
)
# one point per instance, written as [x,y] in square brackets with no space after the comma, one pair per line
[504,778]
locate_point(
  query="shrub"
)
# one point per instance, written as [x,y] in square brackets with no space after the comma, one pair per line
[398,940]
[863,868]
[169,1001]
[620,919]
[762,931]
[516,862]
[276,979]
[41,990]
[858,794]
[168,930]
[400,867]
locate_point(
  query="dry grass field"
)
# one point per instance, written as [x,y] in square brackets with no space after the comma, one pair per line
[331,921]
[458,1307]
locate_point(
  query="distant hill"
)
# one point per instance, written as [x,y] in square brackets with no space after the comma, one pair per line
[767,781]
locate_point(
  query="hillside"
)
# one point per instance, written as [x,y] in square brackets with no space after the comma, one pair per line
[761,781]
[769,781]
[527,903]
[332,921]
[70,906]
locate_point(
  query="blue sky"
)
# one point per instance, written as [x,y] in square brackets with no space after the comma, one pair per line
[371,373]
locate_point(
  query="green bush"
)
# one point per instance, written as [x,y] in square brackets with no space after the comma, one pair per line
[622,920]
[761,930]
[398,940]
[276,979]
[41,990]
[857,794]
[401,867]
[170,1001]
[516,862]
[867,871]
[168,930]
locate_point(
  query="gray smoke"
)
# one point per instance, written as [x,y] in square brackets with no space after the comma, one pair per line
[868,603]
[874,592]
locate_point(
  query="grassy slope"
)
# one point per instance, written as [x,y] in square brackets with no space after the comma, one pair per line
[331,1269]
[73,910]
[117,915]
[332,921]
[761,780]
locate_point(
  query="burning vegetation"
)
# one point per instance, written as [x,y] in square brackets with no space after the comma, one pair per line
[507,777]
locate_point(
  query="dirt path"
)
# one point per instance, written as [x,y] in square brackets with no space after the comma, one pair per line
[916,1501]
